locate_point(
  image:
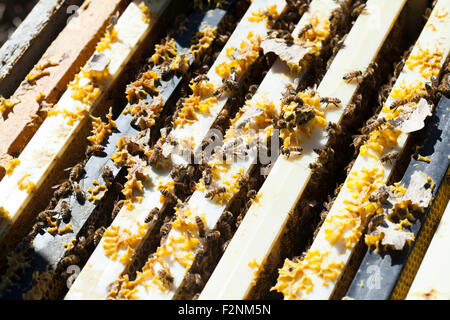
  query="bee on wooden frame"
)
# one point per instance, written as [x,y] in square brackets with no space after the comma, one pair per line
[305,29]
[201,77]
[75,172]
[358,8]
[398,103]
[372,125]
[65,211]
[69,260]
[98,235]
[117,207]
[156,155]
[169,195]
[212,236]
[152,214]
[107,175]
[214,192]
[381,195]
[353,75]
[287,151]
[333,129]
[200,226]
[79,193]
[359,140]
[375,221]
[329,100]
[389,157]
[94,149]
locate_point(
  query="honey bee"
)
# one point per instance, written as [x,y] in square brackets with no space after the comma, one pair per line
[334,129]
[348,167]
[328,100]
[243,179]
[39,227]
[214,192]
[223,117]
[206,143]
[94,149]
[359,140]
[152,214]
[200,226]
[227,216]
[98,235]
[270,18]
[219,91]
[304,115]
[349,110]
[169,195]
[432,85]
[224,224]
[42,216]
[194,281]
[206,176]
[305,29]
[81,245]
[372,125]
[251,194]
[353,75]
[165,229]
[177,173]
[287,151]
[190,170]
[298,100]
[282,124]
[166,278]
[375,221]
[225,230]
[398,103]
[358,9]
[79,193]
[117,207]
[325,153]
[239,219]
[421,95]
[338,189]
[291,96]
[338,43]
[225,245]
[75,172]
[381,195]
[107,175]
[252,89]
[317,167]
[201,77]
[212,236]
[329,203]
[288,38]
[65,211]
[370,69]
[444,87]
[166,72]
[266,170]
[69,260]
[156,155]
[230,82]
[389,157]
